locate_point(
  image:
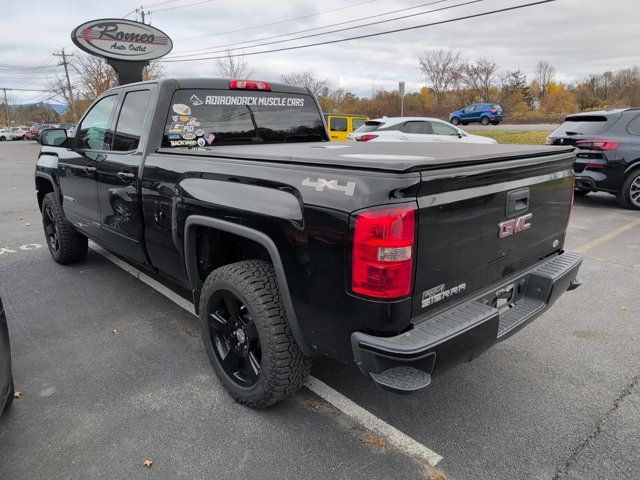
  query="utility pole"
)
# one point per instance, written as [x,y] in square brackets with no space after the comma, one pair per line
[6,107]
[142,13]
[64,62]
[401,91]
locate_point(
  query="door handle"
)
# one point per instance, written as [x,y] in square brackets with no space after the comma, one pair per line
[90,169]
[402,137]
[126,176]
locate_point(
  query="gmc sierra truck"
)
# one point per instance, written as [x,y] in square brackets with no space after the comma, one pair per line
[406,259]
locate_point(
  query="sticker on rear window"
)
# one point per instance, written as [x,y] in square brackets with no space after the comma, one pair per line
[181,109]
[253,101]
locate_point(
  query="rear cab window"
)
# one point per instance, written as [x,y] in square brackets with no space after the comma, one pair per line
[585,125]
[205,118]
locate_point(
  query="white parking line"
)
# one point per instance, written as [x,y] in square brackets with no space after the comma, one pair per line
[395,437]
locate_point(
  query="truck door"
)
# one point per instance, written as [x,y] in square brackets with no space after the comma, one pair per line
[77,167]
[118,177]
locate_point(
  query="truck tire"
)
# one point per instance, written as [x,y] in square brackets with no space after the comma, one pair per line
[247,337]
[629,194]
[65,244]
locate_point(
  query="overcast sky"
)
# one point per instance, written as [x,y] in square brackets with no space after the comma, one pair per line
[578,37]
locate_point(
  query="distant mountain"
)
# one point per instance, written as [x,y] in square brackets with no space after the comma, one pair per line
[58,107]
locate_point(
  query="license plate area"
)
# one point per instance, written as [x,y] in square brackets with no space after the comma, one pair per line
[507,296]
[503,297]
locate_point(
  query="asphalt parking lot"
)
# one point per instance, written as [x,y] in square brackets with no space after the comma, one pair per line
[559,400]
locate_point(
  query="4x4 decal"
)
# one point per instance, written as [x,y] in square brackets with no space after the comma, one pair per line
[321,183]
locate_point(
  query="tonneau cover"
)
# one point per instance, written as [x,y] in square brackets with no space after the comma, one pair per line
[392,156]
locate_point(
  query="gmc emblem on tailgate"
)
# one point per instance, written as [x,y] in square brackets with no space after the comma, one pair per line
[516,225]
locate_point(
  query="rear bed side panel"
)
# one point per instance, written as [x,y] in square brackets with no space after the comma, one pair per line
[460,251]
[300,210]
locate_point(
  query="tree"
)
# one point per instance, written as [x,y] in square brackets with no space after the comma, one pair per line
[480,77]
[307,79]
[544,74]
[558,100]
[440,68]
[233,66]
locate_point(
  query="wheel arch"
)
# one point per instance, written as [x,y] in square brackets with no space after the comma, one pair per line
[193,222]
[44,184]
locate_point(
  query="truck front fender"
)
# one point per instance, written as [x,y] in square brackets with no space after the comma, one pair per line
[192,268]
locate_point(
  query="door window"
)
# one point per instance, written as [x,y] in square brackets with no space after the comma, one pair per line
[421,128]
[129,126]
[338,124]
[93,133]
[443,129]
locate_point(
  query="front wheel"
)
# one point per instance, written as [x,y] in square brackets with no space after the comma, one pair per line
[629,194]
[485,121]
[65,244]
[247,337]
[455,121]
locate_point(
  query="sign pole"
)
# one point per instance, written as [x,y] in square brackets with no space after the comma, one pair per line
[401,90]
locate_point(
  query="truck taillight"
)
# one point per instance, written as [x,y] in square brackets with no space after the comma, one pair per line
[366,137]
[249,85]
[383,247]
[598,144]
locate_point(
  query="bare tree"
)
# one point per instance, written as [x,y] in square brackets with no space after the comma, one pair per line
[232,66]
[480,77]
[543,75]
[440,69]
[307,79]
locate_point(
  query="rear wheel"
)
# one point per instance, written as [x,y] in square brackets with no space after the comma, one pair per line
[455,121]
[629,195]
[485,121]
[247,337]
[65,244]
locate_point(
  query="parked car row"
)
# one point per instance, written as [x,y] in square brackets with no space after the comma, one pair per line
[32,132]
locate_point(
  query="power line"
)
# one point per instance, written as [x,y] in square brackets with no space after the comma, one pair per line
[276,23]
[183,6]
[359,37]
[208,49]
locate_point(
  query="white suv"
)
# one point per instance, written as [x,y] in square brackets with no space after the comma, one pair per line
[413,129]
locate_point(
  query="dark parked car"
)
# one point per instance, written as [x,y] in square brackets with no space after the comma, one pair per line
[485,113]
[608,156]
[6,379]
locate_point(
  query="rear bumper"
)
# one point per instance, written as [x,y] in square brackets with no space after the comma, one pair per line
[407,362]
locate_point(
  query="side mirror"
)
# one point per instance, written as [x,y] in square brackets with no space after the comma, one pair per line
[53,137]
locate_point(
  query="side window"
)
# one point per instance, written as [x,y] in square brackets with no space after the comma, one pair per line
[129,126]
[634,126]
[338,124]
[358,122]
[443,129]
[417,128]
[93,133]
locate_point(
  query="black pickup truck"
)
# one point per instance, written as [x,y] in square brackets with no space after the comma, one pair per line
[405,258]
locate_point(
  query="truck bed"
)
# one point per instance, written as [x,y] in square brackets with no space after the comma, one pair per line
[388,157]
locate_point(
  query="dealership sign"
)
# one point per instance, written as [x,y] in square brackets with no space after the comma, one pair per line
[123,40]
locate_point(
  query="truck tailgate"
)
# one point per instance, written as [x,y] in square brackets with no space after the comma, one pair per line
[478,225]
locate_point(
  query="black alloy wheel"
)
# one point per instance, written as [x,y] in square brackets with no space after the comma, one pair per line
[234,338]
[50,228]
